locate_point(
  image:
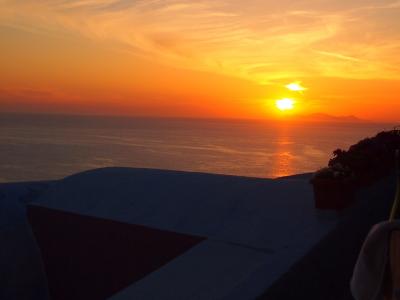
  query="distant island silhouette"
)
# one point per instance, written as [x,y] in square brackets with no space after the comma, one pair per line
[322,117]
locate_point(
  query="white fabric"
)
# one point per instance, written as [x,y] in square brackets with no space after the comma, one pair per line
[369,271]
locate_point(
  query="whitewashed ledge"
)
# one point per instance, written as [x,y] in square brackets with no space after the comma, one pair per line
[256,228]
[21,270]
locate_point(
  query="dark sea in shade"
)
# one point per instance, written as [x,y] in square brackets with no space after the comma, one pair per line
[37,147]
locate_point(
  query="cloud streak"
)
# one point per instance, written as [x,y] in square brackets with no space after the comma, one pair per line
[258,40]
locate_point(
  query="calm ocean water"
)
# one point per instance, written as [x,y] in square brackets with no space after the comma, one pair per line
[36,147]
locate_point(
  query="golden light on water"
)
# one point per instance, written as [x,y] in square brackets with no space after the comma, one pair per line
[285,104]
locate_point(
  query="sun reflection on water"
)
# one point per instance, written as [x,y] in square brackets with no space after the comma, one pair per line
[283,162]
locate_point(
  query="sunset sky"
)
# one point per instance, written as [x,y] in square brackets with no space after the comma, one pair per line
[230,59]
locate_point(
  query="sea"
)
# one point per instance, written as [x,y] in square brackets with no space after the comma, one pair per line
[45,147]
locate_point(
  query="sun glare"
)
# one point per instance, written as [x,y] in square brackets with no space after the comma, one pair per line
[295,87]
[284,104]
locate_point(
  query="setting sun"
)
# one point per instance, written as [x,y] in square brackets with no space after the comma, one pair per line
[117,57]
[255,119]
[285,104]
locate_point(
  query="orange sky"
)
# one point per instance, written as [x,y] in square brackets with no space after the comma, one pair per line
[200,58]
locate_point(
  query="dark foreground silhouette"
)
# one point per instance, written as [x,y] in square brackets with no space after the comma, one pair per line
[93,258]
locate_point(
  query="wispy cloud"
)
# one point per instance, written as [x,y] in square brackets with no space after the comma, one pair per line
[339,56]
[258,40]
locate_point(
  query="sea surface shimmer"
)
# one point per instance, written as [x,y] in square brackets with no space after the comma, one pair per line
[42,147]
